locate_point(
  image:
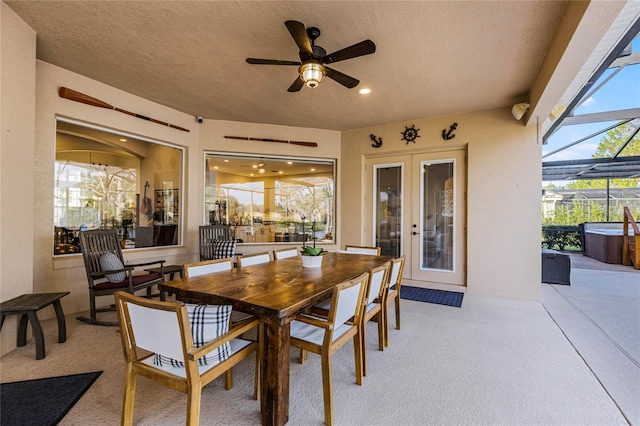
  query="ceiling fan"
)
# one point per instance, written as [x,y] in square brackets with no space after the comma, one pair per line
[313,59]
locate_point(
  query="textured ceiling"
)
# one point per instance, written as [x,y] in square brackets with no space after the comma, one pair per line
[433,58]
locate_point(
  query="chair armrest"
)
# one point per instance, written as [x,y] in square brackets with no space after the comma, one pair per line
[155,262]
[235,331]
[99,274]
[318,322]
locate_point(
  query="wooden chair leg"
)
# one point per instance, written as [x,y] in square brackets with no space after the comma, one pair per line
[357,351]
[398,312]
[228,379]
[381,330]
[327,388]
[363,345]
[193,405]
[386,323]
[129,396]
[256,388]
[303,356]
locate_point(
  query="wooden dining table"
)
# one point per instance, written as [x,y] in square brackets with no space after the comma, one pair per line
[274,292]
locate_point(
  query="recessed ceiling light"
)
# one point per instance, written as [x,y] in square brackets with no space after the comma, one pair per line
[226,161]
[364,91]
[313,170]
[280,172]
[289,162]
[215,167]
[255,166]
[250,174]
[123,140]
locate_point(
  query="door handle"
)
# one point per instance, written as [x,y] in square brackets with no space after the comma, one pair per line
[414,233]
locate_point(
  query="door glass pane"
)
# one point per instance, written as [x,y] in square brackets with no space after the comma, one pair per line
[437,215]
[388,209]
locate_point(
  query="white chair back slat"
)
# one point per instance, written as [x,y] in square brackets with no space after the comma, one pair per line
[375,283]
[284,254]
[196,271]
[254,260]
[156,331]
[347,304]
[395,271]
[372,251]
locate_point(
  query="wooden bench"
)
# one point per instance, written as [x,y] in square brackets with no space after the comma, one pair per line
[27,306]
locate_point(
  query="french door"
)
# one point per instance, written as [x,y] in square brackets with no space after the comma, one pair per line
[418,207]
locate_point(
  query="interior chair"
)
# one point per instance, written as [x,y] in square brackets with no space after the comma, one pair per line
[211,266]
[210,237]
[254,259]
[373,251]
[324,336]
[163,344]
[107,272]
[285,253]
[374,308]
[393,294]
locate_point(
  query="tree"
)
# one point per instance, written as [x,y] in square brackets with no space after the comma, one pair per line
[614,138]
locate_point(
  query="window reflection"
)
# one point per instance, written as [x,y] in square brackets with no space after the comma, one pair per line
[271,199]
[106,181]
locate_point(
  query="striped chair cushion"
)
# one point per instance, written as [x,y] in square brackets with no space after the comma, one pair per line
[207,323]
[222,249]
[111,262]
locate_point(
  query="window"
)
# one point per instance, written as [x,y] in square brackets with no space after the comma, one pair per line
[271,199]
[110,180]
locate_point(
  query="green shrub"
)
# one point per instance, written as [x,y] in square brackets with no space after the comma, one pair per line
[561,236]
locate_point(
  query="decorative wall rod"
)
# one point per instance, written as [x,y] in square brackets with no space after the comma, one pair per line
[247,138]
[85,99]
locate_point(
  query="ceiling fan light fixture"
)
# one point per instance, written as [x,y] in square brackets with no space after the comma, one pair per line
[312,74]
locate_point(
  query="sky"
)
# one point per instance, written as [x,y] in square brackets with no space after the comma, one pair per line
[621,92]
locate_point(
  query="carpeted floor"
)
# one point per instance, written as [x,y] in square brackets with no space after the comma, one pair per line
[42,402]
[492,361]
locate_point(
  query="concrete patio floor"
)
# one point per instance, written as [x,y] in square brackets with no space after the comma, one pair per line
[599,313]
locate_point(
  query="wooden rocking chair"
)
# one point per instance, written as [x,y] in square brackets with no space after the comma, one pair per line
[108,273]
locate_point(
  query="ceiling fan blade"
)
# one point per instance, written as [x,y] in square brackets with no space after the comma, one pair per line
[343,79]
[359,49]
[296,86]
[270,62]
[299,34]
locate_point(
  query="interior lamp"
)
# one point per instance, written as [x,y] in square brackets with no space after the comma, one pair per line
[518,110]
[312,73]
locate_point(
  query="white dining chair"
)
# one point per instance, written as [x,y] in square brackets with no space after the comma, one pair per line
[393,294]
[164,342]
[285,253]
[374,307]
[324,336]
[197,269]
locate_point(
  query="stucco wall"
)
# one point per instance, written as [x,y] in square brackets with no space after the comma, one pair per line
[503,193]
[67,273]
[17,118]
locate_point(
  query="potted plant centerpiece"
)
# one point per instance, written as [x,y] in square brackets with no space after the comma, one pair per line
[311,256]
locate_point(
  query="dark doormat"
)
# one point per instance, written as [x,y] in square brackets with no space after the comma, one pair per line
[440,297]
[42,402]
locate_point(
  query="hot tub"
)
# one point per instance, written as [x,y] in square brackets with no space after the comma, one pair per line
[604,245]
